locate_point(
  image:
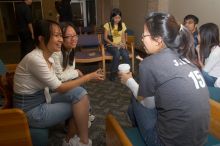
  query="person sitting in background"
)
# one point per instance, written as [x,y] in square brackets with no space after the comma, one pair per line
[116,45]
[209,53]
[35,73]
[170,105]
[191,22]
[64,60]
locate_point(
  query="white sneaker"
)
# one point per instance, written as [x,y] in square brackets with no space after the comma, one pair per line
[82,144]
[72,142]
[75,141]
[89,124]
[91,117]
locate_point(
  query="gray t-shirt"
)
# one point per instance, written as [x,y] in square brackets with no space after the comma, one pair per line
[181,98]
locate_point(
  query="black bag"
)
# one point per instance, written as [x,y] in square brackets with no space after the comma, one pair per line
[110,37]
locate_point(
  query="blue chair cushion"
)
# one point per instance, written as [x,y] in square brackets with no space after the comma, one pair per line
[88,40]
[2,68]
[214,93]
[136,139]
[129,31]
[88,55]
[134,136]
[212,141]
[39,136]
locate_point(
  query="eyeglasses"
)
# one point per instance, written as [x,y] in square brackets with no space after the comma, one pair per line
[71,37]
[145,35]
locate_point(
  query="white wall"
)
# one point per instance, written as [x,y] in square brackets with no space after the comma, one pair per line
[133,14]
[205,10]
[134,11]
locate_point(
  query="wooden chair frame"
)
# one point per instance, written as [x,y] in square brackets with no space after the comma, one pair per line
[214,128]
[14,129]
[11,67]
[115,136]
[6,85]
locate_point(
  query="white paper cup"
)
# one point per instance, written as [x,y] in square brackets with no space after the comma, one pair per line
[124,68]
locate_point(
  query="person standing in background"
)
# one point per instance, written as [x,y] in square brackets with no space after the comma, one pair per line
[24,24]
[64,9]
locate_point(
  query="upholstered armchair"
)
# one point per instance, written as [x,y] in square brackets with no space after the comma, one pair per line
[90,50]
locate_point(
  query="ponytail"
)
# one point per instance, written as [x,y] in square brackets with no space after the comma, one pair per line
[175,36]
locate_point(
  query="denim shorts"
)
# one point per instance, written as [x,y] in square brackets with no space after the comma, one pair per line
[47,115]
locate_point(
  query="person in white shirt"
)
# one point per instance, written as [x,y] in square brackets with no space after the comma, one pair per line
[65,60]
[209,53]
[35,73]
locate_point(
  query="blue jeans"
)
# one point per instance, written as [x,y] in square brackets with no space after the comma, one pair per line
[116,53]
[145,120]
[210,80]
[47,115]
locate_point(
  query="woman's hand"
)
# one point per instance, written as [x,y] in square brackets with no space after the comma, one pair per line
[139,58]
[97,75]
[124,45]
[124,77]
[120,45]
[116,45]
[79,73]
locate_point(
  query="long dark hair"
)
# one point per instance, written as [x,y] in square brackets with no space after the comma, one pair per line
[209,37]
[66,56]
[114,13]
[43,28]
[174,35]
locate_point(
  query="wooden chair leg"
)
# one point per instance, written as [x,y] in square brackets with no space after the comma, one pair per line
[115,136]
[132,60]
[104,68]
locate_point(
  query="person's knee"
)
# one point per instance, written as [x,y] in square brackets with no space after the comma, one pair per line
[117,54]
[127,59]
[84,100]
[125,54]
